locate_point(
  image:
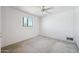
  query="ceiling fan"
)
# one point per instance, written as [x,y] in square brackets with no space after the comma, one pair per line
[45,10]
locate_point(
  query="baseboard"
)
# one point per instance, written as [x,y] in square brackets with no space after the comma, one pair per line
[19,41]
[57,39]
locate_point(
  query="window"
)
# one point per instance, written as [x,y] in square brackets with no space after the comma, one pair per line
[27,21]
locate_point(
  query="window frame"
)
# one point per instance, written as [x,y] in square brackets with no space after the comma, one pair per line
[27,21]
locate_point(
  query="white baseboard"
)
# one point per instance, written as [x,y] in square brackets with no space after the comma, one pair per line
[57,38]
[20,40]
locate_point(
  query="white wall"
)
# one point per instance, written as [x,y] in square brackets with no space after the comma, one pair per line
[0,28]
[77,26]
[59,25]
[0,20]
[12,28]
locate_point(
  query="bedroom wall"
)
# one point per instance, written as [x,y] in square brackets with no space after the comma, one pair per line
[12,28]
[0,20]
[0,28]
[77,26]
[59,25]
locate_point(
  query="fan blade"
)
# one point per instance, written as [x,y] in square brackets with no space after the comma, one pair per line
[43,8]
[48,8]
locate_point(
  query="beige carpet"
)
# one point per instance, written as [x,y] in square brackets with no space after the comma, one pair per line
[41,44]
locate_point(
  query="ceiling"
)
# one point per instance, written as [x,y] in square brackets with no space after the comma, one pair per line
[36,10]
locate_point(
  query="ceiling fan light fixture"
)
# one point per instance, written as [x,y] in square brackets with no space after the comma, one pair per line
[44,10]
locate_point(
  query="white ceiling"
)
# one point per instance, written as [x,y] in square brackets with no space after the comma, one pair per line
[36,10]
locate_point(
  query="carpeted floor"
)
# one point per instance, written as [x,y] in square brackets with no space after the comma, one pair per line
[41,44]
